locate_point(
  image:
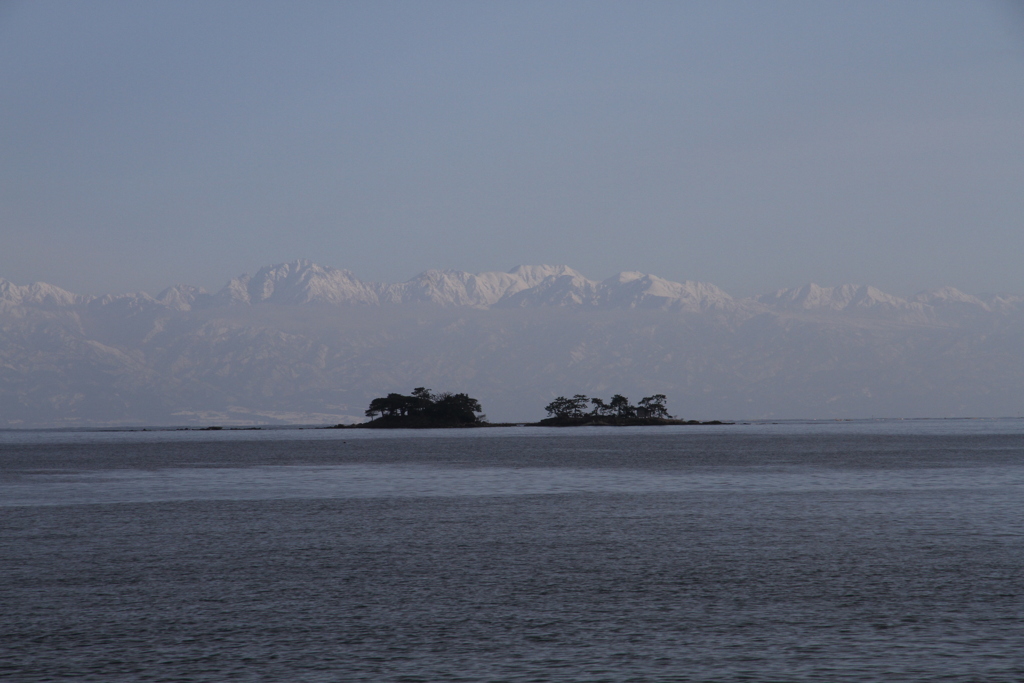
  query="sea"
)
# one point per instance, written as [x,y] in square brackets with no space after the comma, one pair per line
[875,550]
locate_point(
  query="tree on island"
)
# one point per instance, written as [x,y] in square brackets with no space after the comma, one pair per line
[653,406]
[621,407]
[618,406]
[568,407]
[425,408]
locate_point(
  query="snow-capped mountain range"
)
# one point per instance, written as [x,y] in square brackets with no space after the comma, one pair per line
[305,282]
[299,342]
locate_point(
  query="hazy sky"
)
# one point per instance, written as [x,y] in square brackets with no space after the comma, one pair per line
[755,145]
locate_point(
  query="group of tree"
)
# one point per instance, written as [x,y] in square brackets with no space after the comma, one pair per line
[425,408]
[579,407]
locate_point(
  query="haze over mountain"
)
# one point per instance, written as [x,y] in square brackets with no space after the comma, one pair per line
[303,343]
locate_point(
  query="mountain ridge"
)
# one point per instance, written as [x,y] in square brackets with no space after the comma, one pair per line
[302,343]
[305,282]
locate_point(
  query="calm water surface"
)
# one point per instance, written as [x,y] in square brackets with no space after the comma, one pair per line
[888,551]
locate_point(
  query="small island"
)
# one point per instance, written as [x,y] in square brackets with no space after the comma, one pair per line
[424,409]
[618,412]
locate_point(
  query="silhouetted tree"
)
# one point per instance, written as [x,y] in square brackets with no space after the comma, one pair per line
[653,406]
[455,407]
[378,406]
[444,407]
[617,406]
[621,406]
[560,407]
[423,399]
[579,405]
[392,405]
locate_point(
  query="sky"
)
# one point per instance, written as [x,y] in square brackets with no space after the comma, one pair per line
[754,145]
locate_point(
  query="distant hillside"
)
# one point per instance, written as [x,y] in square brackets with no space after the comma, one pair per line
[298,342]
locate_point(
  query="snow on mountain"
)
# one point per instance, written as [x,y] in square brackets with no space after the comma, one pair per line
[304,282]
[1004,302]
[449,288]
[523,286]
[568,289]
[126,303]
[841,298]
[531,276]
[946,296]
[298,282]
[458,288]
[183,297]
[637,290]
[37,294]
[514,339]
[625,290]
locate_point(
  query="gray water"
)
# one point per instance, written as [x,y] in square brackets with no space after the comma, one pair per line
[866,551]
